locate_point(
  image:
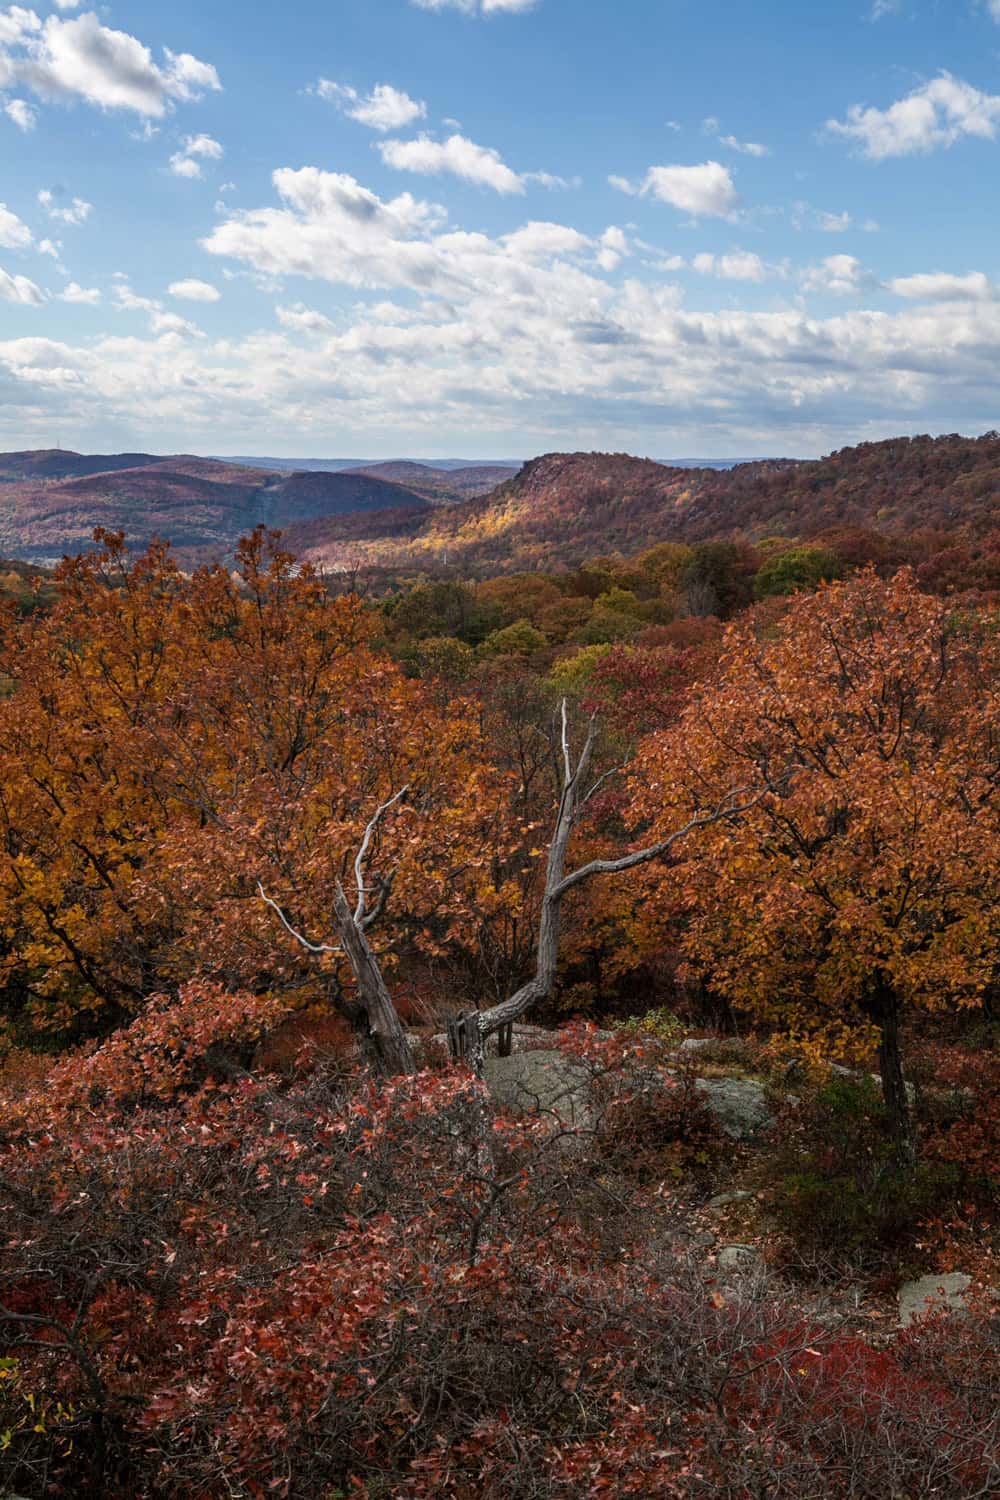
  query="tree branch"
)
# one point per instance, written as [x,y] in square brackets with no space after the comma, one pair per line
[306,944]
[359,863]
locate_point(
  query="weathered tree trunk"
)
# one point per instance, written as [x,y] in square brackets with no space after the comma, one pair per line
[381,1038]
[558,884]
[885,1013]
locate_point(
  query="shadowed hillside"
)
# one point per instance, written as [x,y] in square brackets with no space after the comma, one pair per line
[200,505]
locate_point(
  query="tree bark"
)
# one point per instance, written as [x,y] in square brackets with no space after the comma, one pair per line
[380,1035]
[885,1013]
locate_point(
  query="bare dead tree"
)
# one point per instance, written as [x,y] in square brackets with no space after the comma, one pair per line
[373,1016]
[381,1037]
[480,1025]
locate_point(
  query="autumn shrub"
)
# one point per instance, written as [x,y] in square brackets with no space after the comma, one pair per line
[962,1119]
[324,1286]
[836,1182]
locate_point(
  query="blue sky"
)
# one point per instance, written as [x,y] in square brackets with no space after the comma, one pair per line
[491,228]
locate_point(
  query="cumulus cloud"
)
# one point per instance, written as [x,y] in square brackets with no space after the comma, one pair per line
[942,286]
[452,330]
[457,156]
[19,289]
[84,295]
[160,321]
[614,247]
[477,7]
[196,149]
[23,114]
[385,108]
[702,191]
[76,211]
[838,275]
[331,227]
[168,322]
[193,290]
[130,301]
[302,319]
[937,114]
[741,265]
[80,59]
[14,233]
[711,126]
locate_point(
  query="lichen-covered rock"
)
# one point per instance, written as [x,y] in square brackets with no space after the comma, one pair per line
[739,1105]
[546,1081]
[739,1258]
[932,1294]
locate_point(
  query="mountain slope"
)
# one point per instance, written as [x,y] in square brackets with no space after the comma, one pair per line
[564,507]
[200,505]
[441,485]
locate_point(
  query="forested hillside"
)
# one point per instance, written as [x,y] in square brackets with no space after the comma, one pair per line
[562,508]
[516,1037]
[557,511]
[51,502]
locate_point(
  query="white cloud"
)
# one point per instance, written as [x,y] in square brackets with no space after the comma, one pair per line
[19,289]
[196,149]
[477,7]
[302,319]
[833,223]
[86,296]
[458,156]
[613,248]
[703,190]
[993,6]
[551,180]
[77,211]
[130,301]
[748,148]
[712,126]
[839,275]
[332,228]
[17,25]
[193,290]
[50,247]
[81,59]
[623,185]
[937,114]
[941,286]
[741,265]
[882,8]
[184,166]
[457,331]
[14,233]
[385,108]
[168,322]
[23,114]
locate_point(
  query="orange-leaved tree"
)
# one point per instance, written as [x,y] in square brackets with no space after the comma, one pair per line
[169,741]
[869,883]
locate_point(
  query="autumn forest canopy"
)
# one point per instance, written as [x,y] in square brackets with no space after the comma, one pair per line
[395,933]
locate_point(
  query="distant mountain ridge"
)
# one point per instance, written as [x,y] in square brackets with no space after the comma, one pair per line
[556,511]
[562,508]
[51,501]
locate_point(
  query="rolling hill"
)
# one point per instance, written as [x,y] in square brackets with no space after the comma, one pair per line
[441,486]
[564,507]
[556,511]
[50,502]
